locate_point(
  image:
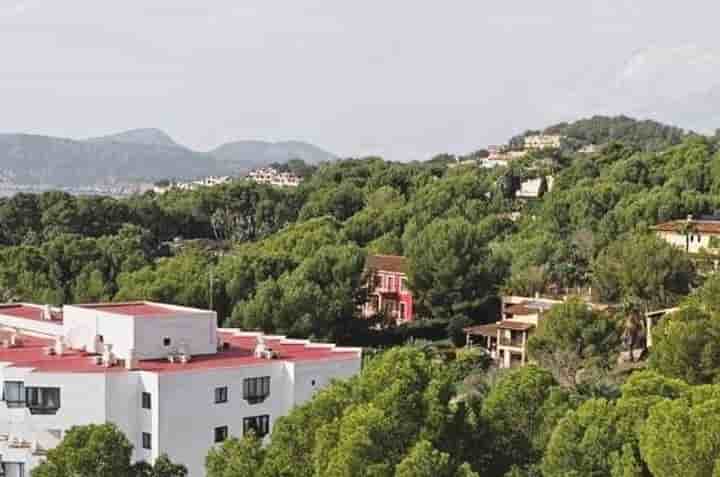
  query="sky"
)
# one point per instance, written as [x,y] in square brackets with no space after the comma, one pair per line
[404,79]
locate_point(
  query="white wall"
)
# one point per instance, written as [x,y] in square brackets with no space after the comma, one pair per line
[48,328]
[197,330]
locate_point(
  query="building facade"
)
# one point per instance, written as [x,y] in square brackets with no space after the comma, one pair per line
[165,375]
[506,340]
[387,288]
[692,235]
[543,141]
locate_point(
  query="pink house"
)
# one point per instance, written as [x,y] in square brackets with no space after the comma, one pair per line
[388,291]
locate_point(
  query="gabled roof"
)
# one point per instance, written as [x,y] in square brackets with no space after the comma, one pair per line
[386,263]
[711,227]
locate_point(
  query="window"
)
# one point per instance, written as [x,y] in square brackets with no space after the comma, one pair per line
[221,434]
[146,440]
[390,283]
[260,425]
[167,341]
[256,390]
[146,401]
[221,394]
[14,393]
[42,400]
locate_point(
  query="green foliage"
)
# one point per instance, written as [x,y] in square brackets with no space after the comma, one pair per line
[236,457]
[572,340]
[643,269]
[515,411]
[686,345]
[451,267]
[426,461]
[100,450]
[368,425]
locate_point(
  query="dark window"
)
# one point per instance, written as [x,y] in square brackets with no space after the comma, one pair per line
[146,440]
[221,394]
[312,383]
[167,341]
[146,401]
[221,434]
[42,400]
[14,393]
[260,425]
[256,390]
[101,338]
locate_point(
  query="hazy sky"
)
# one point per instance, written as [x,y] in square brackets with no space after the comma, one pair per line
[401,78]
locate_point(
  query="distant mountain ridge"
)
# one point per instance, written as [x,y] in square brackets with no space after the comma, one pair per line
[138,155]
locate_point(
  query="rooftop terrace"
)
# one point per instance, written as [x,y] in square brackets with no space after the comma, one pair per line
[238,353]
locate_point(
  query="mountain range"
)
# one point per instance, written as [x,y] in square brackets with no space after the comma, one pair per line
[135,156]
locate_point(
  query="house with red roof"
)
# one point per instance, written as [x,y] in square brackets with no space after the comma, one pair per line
[166,375]
[692,234]
[388,292]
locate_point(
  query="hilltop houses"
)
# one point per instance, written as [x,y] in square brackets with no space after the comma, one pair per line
[210,181]
[542,141]
[272,176]
[166,375]
[387,288]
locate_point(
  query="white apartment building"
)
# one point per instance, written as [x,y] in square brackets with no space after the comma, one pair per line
[165,375]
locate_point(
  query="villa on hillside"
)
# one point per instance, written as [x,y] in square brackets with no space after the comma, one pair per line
[387,288]
[506,340]
[692,235]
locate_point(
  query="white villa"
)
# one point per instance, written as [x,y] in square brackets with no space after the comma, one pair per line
[691,235]
[165,375]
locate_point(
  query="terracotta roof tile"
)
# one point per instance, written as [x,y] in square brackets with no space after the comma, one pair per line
[387,263]
[699,226]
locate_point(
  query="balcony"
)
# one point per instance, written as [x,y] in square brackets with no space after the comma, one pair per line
[512,342]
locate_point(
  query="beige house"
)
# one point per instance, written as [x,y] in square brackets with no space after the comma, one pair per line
[692,235]
[506,340]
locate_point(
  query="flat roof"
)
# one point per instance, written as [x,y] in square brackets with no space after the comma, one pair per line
[28,312]
[239,354]
[141,309]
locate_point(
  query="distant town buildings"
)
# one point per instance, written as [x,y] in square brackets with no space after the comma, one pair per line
[387,288]
[542,141]
[270,175]
[165,375]
[209,181]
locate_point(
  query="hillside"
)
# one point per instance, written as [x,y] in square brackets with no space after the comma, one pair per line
[138,155]
[150,137]
[258,153]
